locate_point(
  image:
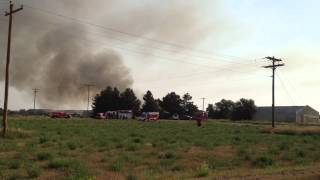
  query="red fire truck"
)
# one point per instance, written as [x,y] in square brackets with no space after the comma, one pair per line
[59,115]
[149,116]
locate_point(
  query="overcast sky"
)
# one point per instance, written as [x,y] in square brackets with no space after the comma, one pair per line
[210,49]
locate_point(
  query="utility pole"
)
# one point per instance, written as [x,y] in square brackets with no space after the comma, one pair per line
[275,63]
[88,91]
[35,91]
[203,103]
[6,89]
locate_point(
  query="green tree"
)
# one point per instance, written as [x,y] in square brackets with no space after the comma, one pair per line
[223,109]
[129,101]
[172,103]
[103,101]
[188,107]
[150,104]
[243,109]
[110,99]
[212,112]
[115,99]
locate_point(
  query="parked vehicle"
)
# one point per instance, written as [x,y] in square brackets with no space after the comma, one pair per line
[175,117]
[186,117]
[125,114]
[149,116]
[120,114]
[100,116]
[59,115]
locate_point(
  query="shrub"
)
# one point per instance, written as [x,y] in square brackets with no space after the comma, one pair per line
[203,170]
[18,133]
[117,165]
[301,154]
[73,168]
[34,171]
[43,139]
[77,170]
[135,160]
[177,168]
[119,146]
[292,130]
[132,147]
[131,176]
[59,163]
[72,145]
[104,158]
[19,156]
[137,140]
[288,156]
[263,161]
[43,156]
[167,155]
[14,164]
[166,163]
[273,151]
[283,146]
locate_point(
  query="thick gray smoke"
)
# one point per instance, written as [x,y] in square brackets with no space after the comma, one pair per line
[53,53]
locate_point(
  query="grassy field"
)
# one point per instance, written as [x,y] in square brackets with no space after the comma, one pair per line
[94,149]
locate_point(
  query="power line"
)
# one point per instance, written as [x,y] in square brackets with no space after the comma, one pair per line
[154,55]
[291,85]
[157,56]
[286,89]
[134,35]
[275,64]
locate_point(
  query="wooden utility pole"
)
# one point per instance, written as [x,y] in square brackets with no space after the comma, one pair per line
[88,91]
[6,90]
[35,91]
[275,63]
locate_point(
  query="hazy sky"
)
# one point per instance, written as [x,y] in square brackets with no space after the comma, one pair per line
[223,46]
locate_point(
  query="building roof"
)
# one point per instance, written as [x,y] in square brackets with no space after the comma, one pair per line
[282,113]
[281,108]
[284,108]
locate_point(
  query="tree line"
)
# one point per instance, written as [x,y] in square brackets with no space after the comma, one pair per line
[243,109]
[111,99]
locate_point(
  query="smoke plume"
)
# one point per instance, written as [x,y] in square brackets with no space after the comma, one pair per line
[56,54]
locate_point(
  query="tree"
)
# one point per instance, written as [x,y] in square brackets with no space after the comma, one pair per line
[172,103]
[223,109]
[150,104]
[212,112]
[188,107]
[110,99]
[243,109]
[115,99]
[129,101]
[104,101]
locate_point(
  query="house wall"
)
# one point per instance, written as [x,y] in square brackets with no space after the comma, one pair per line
[281,114]
[308,116]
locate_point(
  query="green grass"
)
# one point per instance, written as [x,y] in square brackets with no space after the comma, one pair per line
[117,165]
[34,171]
[203,170]
[85,148]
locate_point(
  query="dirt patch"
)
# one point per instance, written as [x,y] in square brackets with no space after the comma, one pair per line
[303,173]
[50,175]
[293,130]
[224,152]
